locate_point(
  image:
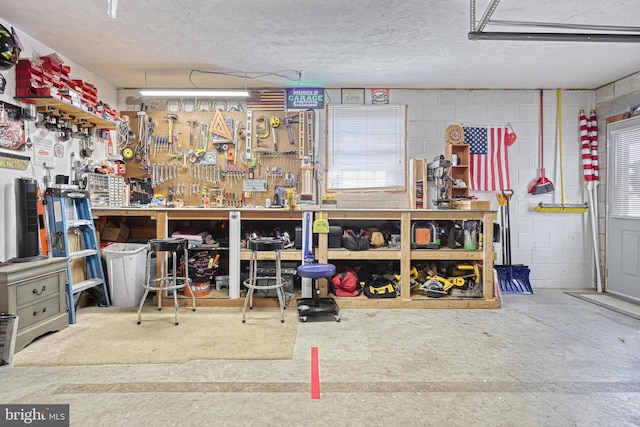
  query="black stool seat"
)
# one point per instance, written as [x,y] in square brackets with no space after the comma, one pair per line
[265,244]
[317,306]
[170,244]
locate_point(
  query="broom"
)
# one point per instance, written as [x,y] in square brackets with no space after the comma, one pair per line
[541,184]
[562,207]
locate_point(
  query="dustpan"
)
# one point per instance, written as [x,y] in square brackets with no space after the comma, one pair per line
[320,225]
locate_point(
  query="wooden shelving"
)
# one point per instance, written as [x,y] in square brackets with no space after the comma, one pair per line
[72,110]
[404,256]
[418,183]
[458,155]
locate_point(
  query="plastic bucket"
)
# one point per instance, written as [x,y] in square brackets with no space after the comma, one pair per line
[200,289]
[126,265]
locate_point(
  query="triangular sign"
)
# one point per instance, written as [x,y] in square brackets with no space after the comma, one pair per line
[219,127]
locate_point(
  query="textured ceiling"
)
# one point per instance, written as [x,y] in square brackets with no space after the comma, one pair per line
[331,43]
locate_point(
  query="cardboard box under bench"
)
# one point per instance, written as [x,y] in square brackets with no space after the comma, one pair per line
[471,205]
[113,233]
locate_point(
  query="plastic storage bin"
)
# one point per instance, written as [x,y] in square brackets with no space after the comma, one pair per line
[8,331]
[126,264]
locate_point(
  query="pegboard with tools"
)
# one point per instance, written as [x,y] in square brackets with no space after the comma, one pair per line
[221,158]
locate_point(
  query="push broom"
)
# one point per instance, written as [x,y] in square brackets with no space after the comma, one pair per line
[541,184]
[562,207]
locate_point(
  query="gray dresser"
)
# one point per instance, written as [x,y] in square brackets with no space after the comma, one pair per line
[35,291]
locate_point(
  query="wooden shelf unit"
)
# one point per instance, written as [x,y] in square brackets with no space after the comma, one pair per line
[459,170]
[405,256]
[77,112]
[418,183]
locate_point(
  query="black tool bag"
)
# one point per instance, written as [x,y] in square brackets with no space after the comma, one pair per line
[380,287]
[356,239]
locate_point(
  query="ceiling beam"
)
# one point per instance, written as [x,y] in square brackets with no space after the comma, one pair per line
[555,37]
[477,30]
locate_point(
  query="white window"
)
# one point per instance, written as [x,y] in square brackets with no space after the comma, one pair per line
[366,147]
[625,149]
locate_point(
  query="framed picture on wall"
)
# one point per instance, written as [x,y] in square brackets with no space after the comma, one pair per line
[380,96]
[11,127]
[353,96]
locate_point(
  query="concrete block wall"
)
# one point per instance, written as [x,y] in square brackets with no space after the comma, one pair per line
[556,246]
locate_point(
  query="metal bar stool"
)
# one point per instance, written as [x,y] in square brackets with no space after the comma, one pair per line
[166,281]
[317,306]
[264,244]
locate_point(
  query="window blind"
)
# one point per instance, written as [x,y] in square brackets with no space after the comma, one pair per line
[366,147]
[625,149]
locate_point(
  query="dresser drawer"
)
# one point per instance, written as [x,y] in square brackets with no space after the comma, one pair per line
[38,288]
[38,312]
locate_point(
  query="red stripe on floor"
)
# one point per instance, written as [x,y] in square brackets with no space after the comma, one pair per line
[315,374]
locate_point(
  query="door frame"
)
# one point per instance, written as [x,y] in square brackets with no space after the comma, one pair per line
[616,123]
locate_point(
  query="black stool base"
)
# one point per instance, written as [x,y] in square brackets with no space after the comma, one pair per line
[318,308]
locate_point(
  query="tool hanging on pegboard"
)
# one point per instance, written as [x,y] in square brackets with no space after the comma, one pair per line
[233,159]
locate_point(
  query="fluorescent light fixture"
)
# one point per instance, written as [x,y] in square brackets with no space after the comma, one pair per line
[194,92]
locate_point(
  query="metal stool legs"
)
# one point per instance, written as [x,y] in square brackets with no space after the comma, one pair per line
[252,283]
[166,281]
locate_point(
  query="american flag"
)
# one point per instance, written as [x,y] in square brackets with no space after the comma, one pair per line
[489,163]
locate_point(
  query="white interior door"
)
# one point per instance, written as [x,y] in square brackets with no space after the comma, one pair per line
[623,209]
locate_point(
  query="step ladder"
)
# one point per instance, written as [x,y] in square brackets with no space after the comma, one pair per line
[69,211]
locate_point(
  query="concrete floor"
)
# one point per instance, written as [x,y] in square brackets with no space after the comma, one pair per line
[547,359]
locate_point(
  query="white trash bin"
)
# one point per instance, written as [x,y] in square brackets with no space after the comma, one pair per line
[126,265]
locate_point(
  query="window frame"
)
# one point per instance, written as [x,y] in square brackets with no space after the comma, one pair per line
[624,142]
[400,111]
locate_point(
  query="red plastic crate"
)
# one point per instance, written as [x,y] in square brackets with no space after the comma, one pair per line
[43,91]
[49,64]
[28,83]
[86,87]
[25,92]
[26,74]
[25,64]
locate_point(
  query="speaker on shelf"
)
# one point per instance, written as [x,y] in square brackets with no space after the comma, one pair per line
[27,227]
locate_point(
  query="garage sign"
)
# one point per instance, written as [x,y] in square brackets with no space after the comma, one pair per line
[305,98]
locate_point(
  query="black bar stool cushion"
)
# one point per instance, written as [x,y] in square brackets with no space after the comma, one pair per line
[171,244]
[265,244]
